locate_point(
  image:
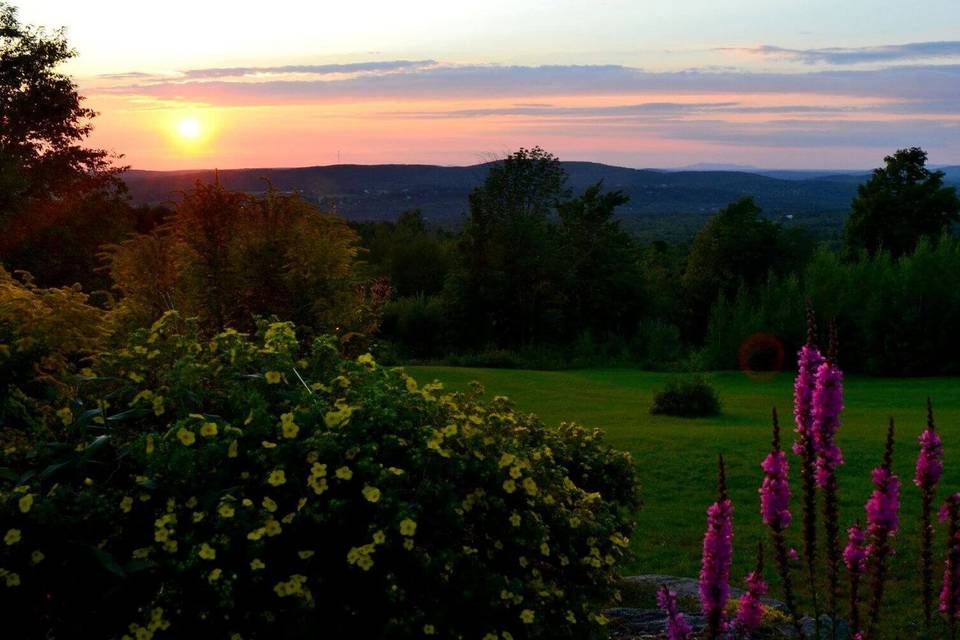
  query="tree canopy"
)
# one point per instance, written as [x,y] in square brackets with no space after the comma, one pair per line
[902,202]
[58,197]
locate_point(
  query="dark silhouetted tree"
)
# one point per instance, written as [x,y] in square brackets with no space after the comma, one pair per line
[604,278]
[736,246]
[509,250]
[58,198]
[902,202]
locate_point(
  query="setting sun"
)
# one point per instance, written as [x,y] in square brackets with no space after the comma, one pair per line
[189,128]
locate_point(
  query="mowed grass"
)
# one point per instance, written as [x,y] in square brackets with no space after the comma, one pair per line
[677,458]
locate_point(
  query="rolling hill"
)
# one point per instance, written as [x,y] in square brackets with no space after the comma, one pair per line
[381,192]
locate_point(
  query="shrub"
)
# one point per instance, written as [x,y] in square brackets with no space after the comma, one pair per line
[248,486]
[417,323]
[44,333]
[687,397]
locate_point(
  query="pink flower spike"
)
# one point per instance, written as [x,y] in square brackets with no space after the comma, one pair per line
[677,627]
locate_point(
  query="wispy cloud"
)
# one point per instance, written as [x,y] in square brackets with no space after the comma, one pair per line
[939,82]
[311,69]
[645,109]
[857,55]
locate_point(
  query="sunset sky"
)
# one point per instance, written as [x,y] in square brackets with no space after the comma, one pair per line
[641,83]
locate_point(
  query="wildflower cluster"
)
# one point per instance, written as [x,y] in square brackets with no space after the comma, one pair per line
[341,496]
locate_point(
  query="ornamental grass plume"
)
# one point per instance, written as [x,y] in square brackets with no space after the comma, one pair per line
[750,611]
[950,592]
[827,405]
[855,558]
[928,471]
[882,525]
[775,511]
[677,627]
[717,554]
[809,360]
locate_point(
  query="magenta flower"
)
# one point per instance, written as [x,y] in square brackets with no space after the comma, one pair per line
[715,563]
[827,405]
[855,554]
[677,627]
[950,593]
[750,611]
[808,361]
[775,490]
[855,557]
[930,460]
[883,505]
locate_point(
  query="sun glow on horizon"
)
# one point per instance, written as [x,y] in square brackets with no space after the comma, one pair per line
[189,128]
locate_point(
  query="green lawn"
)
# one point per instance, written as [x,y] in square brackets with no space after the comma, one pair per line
[676,458]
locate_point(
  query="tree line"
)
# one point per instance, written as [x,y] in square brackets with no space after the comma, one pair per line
[537,276]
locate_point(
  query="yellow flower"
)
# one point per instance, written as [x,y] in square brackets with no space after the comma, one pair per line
[226,510]
[277,477]
[527,616]
[207,552]
[288,426]
[507,459]
[379,537]
[209,429]
[516,472]
[149,447]
[272,528]
[13,537]
[256,534]
[509,486]
[256,564]
[158,405]
[186,436]
[371,493]
[515,519]
[233,449]
[530,486]
[408,544]
[545,548]
[429,629]
[26,502]
[214,575]
[66,416]
[366,359]
[304,555]
[269,504]
[126,504]
[266,444]
[408,527]
[12,579]
[344,473]
[273,377]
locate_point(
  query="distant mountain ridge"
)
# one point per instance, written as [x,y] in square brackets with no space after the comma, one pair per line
[382,192]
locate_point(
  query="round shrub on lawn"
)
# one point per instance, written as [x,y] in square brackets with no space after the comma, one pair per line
[248,488]
[686,397]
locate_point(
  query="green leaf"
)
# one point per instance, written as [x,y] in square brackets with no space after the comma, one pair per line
[108,562]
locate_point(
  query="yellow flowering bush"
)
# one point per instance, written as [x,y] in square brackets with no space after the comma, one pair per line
[44,333]
[387,521]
